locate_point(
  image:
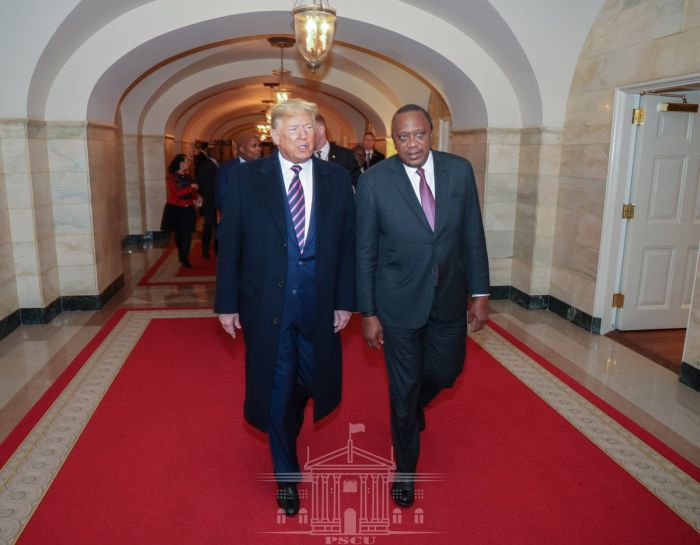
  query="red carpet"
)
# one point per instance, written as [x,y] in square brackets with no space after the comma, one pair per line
[200,266]
[167,459]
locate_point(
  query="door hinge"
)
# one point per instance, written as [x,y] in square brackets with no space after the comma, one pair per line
[639,116]
[627,211]
[618,300]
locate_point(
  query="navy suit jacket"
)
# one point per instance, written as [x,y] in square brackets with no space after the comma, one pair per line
[345,158]
[252,270]
[223,181]
[400,258]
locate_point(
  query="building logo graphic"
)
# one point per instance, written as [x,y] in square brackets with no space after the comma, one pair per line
[346,498]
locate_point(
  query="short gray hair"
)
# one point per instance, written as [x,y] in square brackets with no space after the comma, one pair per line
[292,107]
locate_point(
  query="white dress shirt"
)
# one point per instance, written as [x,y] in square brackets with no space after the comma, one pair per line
[325,150]
[429,170]
[307,184]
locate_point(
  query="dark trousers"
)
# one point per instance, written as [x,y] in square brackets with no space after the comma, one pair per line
[290,391]
[183,232]
[420,363]
[208,228]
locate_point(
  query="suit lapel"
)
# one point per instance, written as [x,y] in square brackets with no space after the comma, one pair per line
[442,185]
[272,184]
[322,192]
[405,189]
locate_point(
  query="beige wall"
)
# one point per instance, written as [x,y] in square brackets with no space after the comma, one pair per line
[108,201]
[8,283]
[73,214]
[494,155]
[153,168]
[538,181]
[632,41]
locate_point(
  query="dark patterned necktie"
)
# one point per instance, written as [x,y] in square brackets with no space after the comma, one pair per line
[296,205]
[427,200]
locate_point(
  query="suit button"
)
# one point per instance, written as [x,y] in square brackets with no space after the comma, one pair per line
[275,321]
[280,284]
[284,245]
[294,292]
[301,262]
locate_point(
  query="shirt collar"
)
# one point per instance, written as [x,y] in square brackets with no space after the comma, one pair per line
[428,167]
[287,165]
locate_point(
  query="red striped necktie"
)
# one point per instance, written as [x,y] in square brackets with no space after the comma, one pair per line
[296,206]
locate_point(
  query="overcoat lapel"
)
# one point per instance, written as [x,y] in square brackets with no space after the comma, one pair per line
[271,184]
[322,182]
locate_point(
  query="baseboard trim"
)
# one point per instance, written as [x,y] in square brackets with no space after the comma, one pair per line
[69,303]
[548,302]
[690,376]
[138,240]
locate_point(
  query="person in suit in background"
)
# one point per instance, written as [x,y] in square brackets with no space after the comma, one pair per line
[421,252]
[248,148]
[329,151]
[205,172]
[359,152]
[286,275]
[372,156]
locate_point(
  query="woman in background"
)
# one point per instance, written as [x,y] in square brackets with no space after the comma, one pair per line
[179,214]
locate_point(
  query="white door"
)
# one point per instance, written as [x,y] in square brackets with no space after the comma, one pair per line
[661,241]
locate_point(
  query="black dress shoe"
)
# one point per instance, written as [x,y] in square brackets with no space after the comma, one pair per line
[186,263]
[205,256]
[403,493]
[288,498]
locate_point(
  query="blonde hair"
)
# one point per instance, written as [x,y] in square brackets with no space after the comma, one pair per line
[292,107]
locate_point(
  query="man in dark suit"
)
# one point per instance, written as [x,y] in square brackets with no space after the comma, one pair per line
[248,148]
[372,156]
[421,252]
[330,151]
[286,274]
[205,173]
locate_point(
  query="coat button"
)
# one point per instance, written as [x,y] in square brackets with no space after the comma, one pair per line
[275,321]
[284,245]
[280,284]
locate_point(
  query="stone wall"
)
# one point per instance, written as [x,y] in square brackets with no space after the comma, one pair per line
[631,42]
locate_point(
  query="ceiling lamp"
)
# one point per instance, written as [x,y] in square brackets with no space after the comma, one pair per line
[281,92]
[314,26]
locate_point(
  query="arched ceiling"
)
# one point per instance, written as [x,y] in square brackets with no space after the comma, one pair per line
[168,66]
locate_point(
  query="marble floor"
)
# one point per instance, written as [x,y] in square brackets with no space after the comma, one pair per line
[33,356]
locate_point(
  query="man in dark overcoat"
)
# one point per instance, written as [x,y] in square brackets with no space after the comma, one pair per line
[286,276]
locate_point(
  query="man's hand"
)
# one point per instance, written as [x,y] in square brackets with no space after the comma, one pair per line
[478,313]
[372,332]
[230,322]
[340,319]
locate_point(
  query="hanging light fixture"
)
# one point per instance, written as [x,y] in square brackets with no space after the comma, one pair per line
[281,91]
[314,26]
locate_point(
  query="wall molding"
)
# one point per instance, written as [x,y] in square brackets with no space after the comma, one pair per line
[66,303]
[548,302]
[690,376]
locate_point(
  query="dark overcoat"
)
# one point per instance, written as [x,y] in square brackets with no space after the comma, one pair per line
[252,268]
